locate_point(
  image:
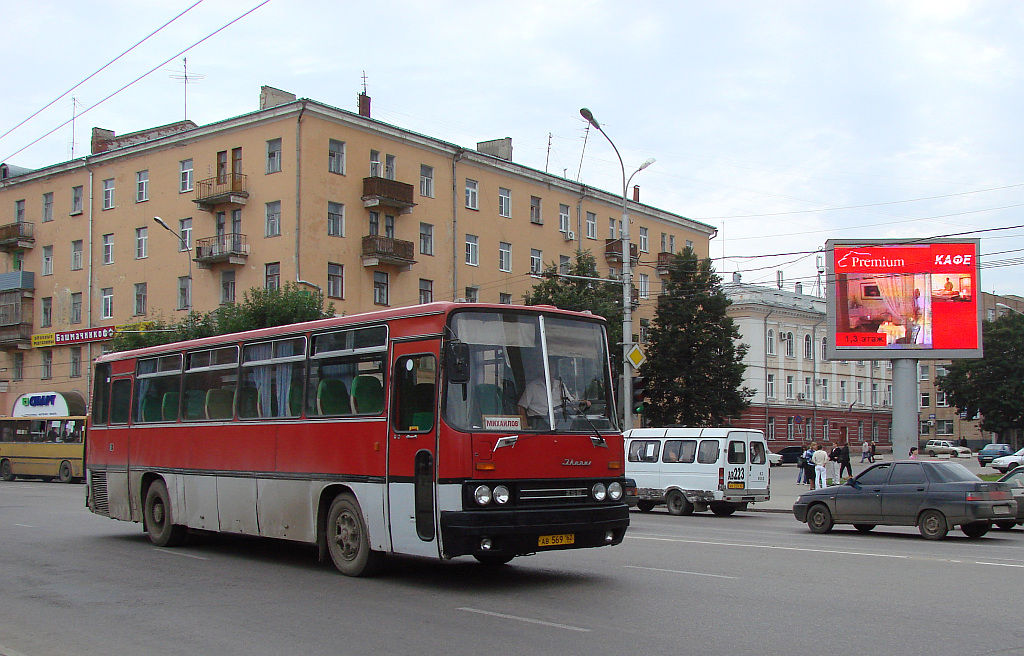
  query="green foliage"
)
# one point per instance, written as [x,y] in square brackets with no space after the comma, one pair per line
[992,386]
[260,308]
[694,368]
[601,298]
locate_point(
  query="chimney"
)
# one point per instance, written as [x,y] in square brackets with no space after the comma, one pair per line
[500,148]
[101,140]
[364,105]
[736,277]
[798,288]
[636,193]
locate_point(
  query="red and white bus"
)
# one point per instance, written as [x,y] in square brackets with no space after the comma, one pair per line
[397,431]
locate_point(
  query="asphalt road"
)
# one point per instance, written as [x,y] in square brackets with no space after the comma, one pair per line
[754,583]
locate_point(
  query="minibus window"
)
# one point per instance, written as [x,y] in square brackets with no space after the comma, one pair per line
[679,451]
[737,453]
[757,453]
[707,454]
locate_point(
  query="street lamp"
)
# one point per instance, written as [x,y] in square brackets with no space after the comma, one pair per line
[188,252]
[627,279]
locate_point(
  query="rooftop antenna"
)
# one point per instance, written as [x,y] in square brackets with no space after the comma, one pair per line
[821,270]
[185,79]
[547,158]
[75,104]
[586,133]
[364,83]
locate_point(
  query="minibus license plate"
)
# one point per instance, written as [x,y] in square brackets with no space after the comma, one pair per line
[556,540]
[738,485]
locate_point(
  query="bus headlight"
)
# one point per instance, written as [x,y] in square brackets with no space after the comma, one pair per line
[482,494]
[501,494]
[598,491]
[615,491]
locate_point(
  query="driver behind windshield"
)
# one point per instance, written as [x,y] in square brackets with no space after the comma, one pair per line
[533,404]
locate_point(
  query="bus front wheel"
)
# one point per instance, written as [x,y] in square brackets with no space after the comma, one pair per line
[348,541]
[160,526]
[6,472]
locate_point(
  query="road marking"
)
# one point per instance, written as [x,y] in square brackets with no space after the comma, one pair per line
[7,651]
[770,546]
[679,571]
[567,627]
[179,553]
[978,562]
[25,525]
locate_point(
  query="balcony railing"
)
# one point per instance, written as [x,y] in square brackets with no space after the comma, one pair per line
[17,236]
[18,335]
[232,248]
[17,281]
[613,250]
[382,192]
[664,262]
[227,189]
[386,250]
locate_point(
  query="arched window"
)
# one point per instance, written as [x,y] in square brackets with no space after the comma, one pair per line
[771,342]
[824,348]
[790,345]
[808,347]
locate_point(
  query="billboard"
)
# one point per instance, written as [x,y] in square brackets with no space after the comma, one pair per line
[915,299]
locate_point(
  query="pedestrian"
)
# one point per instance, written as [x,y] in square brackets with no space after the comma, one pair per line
[834,458]
[819,458]
[913,453]
[865,451]
[809,464]
[844,462]
[801,468]
[871,454]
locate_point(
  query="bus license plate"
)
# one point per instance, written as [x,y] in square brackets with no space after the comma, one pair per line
[736,486]
[556,540]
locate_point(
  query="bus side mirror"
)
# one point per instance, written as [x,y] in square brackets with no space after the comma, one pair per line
[456,363]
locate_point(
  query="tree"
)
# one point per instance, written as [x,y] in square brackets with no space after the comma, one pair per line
[601,298]
[992,386]
[260,308]
[694,368]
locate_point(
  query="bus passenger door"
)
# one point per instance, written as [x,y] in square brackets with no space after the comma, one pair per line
[412,448]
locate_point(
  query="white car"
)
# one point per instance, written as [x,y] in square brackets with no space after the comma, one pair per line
[774,459]
[935,447]
[1007,463]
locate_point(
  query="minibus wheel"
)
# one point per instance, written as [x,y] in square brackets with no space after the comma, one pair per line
[723,508]
[678,504]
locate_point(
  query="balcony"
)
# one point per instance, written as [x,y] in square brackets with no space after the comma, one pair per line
[228,189]
[665,262]
[381,192]
[16,336]
[230,248]
[379,250]
[22,282]
[613,251]
[17,237]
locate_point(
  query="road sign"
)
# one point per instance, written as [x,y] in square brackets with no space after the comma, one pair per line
[636,357]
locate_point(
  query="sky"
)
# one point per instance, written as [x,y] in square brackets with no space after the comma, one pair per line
[782,124]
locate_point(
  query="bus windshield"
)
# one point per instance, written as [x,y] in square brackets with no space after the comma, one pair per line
[529,372]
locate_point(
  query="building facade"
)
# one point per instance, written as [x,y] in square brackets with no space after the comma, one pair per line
[368,213]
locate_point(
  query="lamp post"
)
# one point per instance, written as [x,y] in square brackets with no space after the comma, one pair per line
[627,279]
[188,251]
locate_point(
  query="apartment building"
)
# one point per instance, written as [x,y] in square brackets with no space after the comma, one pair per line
[368,213]
[800,395]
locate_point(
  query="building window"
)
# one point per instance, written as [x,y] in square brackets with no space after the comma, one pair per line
[644,242]
[107,303]
[922,372]
[46,367]
[940,370]
[184,293]
[643,284]
[535,211]
[471,194]
[563,264]
[19,366]
[108,193]
[335,280]
[336,157]
[426,291]
[389,226]
[272,276]
[108,248]
[611,228]
[140,299]
[771,428]
[808,347]
[563,218]
[926,399]
[472,250]
[824,349]
[426,181]
[672,243]
[141,186]
[771,386]
[374,223]
[185,176]
[824,389]
[790,345]
[185,230]
[273,223]
[664,242]
[375,170]
[770,342]
[380,288]
[504,256]
[808,390]
[141,243]
[888,395]
[789,428]
[46,312]
[689,244]
[19,211]
[860,393]
[389,167]
[76,255]
[76,307]
[47,261]
[76,362]
[790,387]
[472,294]
[504,202]
[944,427]
[591,225]
[335,219]
[874,393]
[426,239]
[227,287]
[48,206]
[77,195]
[273,156]
[536,261]
[505,299]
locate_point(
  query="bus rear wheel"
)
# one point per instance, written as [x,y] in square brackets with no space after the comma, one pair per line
[6,472]
[156,511]
[348,541]
[64,474]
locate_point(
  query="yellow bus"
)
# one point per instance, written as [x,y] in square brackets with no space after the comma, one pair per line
[46,448]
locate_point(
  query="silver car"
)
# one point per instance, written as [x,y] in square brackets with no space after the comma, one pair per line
[935,447]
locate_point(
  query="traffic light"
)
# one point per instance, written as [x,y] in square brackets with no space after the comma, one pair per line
[639,392]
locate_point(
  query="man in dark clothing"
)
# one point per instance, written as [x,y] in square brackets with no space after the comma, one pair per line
[844,461]
[833,458]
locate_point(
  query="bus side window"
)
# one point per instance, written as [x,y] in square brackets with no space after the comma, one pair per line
[413,399]
[120,400]
[101,395]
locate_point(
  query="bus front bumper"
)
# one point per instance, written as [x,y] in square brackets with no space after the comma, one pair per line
[519,532]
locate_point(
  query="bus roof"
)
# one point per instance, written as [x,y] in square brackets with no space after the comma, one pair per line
[409,311]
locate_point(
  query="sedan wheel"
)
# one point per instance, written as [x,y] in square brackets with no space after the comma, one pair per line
[1006,524]
[819,519]
[976,529]
[864,528]
[932,525]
